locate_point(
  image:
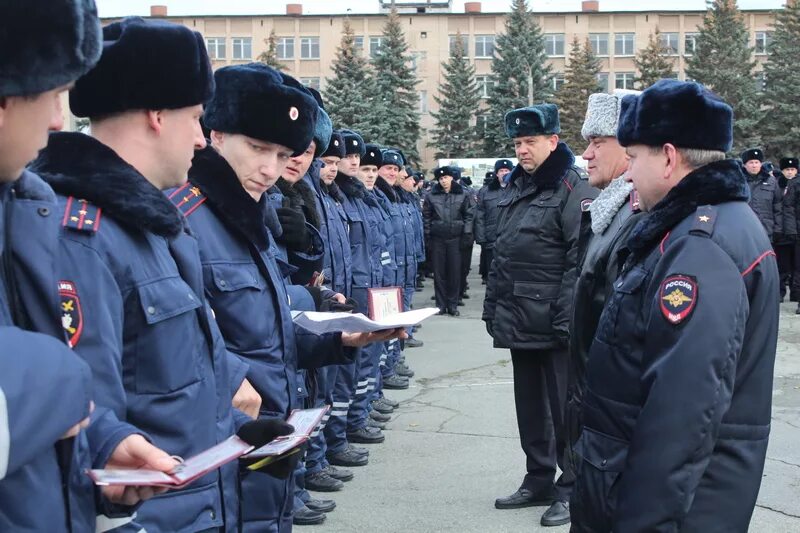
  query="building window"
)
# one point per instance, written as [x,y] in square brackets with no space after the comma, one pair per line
[624,80]
[669,43]
[464,44]
[485,85]
[423,102]
[375,44]
[599,43]
[554,44]
[484,46]
[242,48]
[417,59]
[623,44]
[481,124]
[690,44]
[216,47]
[602,81]
[309,48]
[358,44]
[761,80]
[763,38]
[285,48]
[310,82]
[557,81]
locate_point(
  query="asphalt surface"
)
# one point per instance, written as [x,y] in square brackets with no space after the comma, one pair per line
[452,448]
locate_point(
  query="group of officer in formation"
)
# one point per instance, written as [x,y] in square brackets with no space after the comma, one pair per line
[147,317]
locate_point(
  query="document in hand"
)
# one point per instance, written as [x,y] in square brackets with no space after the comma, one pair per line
[320,323]
[304,421]
[183,474]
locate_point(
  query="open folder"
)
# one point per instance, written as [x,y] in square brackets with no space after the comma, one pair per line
[303,420]
[322,322]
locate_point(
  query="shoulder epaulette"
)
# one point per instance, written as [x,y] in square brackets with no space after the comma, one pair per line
[187,198]
[81,215]
[704,219]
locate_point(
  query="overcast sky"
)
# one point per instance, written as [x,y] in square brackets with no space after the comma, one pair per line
[119,8]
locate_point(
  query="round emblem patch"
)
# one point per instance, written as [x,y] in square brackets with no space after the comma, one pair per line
[336,143]
[678,298]
[293,113]
[355,142]
[517,121]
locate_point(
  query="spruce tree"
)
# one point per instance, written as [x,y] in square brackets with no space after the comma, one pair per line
[652,62]
[270,56]
[350,94]
[723,61]
[779,120]
[580,80]
[520,74]
[459,97]
[397,115]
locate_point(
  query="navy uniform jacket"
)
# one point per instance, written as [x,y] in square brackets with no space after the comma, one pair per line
[157,357]
[337,264]
[396,235]
[679,382]
[45,388]
[241,275]
[419,232]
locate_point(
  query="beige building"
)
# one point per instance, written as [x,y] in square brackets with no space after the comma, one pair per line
[307,43]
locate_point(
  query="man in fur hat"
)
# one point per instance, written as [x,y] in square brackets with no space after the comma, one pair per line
[766,197]
[676,409]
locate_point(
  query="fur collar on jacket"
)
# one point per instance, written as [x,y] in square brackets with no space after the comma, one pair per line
[550,172]
[455,188]
[225,195]
[388,190]
[75,164]
[301,195]
[608,203]
[715,183]
[350,186]
[494,185]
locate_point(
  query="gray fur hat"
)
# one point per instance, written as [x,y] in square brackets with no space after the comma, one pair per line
[602,114]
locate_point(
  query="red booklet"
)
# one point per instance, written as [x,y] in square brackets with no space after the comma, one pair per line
[304,422]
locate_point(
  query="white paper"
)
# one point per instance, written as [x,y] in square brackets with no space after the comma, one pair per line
[319,323]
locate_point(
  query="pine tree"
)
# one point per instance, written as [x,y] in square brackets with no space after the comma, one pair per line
[723,62]
[652,62]
[454,133]
[270,55]
[580,80]
[350,94]
[519,72]
[779,120]
[396,97]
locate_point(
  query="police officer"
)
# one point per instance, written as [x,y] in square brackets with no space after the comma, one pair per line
[529,295]
[467,244]
[486,213]
[679,376]
[132,273]
[448,213]
[766,197]
[412,210]
[786,241]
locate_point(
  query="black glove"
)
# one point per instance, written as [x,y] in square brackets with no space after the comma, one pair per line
[259,432]
[490,327]
[466,240]
[295,234]
[333,306]
[316,294]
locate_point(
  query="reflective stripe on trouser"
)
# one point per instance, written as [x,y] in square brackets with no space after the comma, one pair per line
[343,390]
[317,446]
[392,354]
[368,363]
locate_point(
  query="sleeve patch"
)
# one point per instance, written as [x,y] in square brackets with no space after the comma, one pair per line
[71,312]
[585,203]
[677,298]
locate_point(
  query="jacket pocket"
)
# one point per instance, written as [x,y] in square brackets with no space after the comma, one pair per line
[532,304]
[233,277]
[622,309]
[603,460]
[168,349]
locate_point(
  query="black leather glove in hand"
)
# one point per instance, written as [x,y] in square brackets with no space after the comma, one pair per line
[333,306]
[259,432]
[293,224]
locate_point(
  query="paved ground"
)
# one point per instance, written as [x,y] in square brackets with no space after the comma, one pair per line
[452,446]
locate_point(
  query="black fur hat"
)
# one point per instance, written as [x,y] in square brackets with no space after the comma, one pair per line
[47,44]
[682,113]
[391,157]
[540,119]
[448,170]
[353,143]
[335,146]
[489,177]
[752,153]
[262,103]
[503,163]
[146,64]
[372,155]
[789,162]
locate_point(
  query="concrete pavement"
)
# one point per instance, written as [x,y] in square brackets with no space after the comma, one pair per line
[452,447]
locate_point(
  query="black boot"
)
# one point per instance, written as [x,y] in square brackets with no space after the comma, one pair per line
[306,517]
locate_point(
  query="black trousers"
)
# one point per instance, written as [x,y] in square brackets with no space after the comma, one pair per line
[487,255]
[540,388]
[446,257]
[466,262]
[788,256]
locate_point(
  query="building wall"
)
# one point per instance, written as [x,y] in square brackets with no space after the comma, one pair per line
[428,36]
